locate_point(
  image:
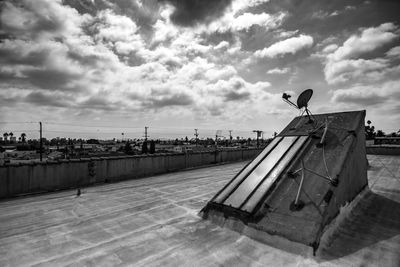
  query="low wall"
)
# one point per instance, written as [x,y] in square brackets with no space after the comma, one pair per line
[383,150]
[17,179]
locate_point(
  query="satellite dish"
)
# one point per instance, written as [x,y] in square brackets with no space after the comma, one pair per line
[303,98]
[302,102]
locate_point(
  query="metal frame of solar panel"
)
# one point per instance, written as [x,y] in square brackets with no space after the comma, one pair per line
[244,192]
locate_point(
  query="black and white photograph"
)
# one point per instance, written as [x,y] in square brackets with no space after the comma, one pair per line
[200,133]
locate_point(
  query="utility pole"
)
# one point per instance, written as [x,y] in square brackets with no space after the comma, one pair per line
[230,136]
[258,135]
[197,135]
[145,133]
[40,141]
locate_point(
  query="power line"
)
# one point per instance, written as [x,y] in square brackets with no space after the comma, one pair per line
[91,126]
[17,122]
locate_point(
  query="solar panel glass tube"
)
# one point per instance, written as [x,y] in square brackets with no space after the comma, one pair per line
[254,178]
[273,175]
[221,196]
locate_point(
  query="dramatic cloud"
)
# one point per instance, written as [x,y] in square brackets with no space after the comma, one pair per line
[288,46]
[199,62]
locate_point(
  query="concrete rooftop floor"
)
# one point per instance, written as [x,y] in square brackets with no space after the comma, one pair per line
[154,222]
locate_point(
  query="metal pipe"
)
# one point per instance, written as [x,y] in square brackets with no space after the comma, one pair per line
[322,142]
[296,202]
[325,177]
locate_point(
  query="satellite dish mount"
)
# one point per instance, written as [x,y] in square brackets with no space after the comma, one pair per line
[302,102]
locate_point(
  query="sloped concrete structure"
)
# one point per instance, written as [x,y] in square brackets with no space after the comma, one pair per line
[297,185]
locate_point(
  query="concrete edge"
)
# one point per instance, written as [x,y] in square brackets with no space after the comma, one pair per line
[328,234]
[266,238]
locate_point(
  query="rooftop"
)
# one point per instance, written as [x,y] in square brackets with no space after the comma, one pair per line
[154,222]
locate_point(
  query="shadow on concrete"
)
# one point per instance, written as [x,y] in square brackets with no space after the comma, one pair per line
[375,218]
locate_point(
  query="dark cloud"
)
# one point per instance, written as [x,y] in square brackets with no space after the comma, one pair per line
[85,6]
[236,96]
[10,55]
[100,103]
[191,12]
[179,99]
[48,99]
[234,90]
[50,79]
[35,20]
[9,101]
[359,99]
[304,15]
[144,15]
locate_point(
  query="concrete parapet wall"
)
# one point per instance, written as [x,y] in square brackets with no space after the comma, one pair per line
[383,150]
[17,179]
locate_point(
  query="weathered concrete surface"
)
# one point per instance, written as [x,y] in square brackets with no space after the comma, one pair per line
[154,222]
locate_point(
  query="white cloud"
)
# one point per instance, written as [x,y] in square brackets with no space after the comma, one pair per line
[344,70]
[118,32]
[286,34]
[369,40]
[323,14]
[222,45]
[230,22]
[288,46]
[245,21]
[342,64]
[394,52]
[240,5]
[278,71]
[330,48]
[368,95]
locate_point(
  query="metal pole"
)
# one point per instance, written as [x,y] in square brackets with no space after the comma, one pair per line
[197,135]
[309,117]
[145,133]
[322,141]
[41,142]
[296,202]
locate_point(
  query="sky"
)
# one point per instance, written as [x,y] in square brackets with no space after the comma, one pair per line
[97,69]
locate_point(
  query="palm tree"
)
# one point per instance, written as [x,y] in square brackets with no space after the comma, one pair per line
[5,135]
[23,137]
[11,134]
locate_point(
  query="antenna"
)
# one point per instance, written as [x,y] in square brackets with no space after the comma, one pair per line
[286,97]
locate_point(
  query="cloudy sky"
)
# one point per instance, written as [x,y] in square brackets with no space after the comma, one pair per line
[95,68]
